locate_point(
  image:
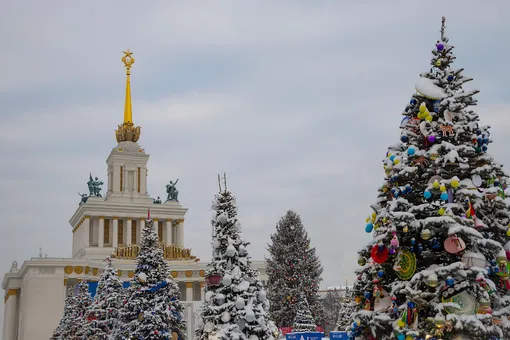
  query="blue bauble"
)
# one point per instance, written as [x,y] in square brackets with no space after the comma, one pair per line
[486,140]
[368,295]
[401,336]
[369,227]
[392,158]
[380,273]
[450,77]
[404,138]
[450,282]
[484,148]
[427,194]
[411,304]
[479,140]
[412,101]
[408,189]
[478,132]
[380,247]
[444,196]
[413,241]
[411,151]
[411,249]
[395,192]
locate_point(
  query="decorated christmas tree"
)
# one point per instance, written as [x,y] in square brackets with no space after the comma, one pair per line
[293,269]
[303,321]
[436,267]
[67,319]
[235,304]
[103,312]
[82,303]
[152,309]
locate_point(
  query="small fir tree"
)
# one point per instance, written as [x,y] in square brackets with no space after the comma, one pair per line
[331,304]
[293,269]
[102,314]
[67,318]
[436,266]
[346,311]
[304,321]
[152,310]
[235,304]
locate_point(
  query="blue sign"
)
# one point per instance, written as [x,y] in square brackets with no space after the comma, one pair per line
[338,335]
[304,336]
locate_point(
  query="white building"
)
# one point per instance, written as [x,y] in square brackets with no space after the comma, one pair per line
[101,226]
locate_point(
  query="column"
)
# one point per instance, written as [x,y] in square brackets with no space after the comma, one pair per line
[86,231]
[10,314]
[116,178]
[202,291]
[189,291]
[115,232]
[128,231]
[100,231]
[168,232]
[180,232]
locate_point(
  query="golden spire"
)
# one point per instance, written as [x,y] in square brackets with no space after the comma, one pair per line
[128,61]
[127,132]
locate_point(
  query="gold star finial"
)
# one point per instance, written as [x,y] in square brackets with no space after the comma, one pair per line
[128,60]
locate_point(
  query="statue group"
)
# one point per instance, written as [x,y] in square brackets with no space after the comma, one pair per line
[172,192]
[94,186]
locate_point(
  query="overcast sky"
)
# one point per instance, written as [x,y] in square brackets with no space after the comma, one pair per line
[296,100]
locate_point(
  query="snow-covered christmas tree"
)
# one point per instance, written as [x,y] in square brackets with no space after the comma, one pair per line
[346,310]
[303,321]
[152,310]
[235,304]
[293,268]
[331,304]
[436,267]
[67,318]
[101,317]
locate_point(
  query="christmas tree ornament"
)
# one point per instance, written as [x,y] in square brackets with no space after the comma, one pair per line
[405,265]
[432,280]
[474,259]
[379,253]
[462,303]
[454,244]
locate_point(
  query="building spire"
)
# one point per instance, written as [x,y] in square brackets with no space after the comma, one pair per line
[128,61]
[127,132]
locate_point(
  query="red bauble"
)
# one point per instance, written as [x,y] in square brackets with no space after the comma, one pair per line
[379,256]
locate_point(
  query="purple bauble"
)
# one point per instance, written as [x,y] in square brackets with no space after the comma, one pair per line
[392,251]
[431,138]
[440,47]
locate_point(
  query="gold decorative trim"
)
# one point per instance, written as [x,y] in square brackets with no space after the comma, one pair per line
[95,271]
[189,284]
[202,284]
[86,216]
[101,217]
[65,282]
[131,274]
[202,273]
[155,220]
[10,292]
[115,218]
[119,272]
[174,274]
[68,270]
[142,218]
[87,269]
[188,273]
[171,253]
[78,269]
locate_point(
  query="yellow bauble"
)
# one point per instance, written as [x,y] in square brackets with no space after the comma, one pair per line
[428,118]
[454,183]
[367,219]
[441,211]
[438,63]
[423,108]
[405,229]
[374,215]
[376,226]
[409,337]
[401,323]
[436,184]
[396,161]
[442,187]
[508,232]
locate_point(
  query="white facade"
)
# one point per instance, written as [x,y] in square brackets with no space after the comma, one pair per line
[35,292]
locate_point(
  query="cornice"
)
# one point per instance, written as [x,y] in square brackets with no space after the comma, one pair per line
[125,209]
